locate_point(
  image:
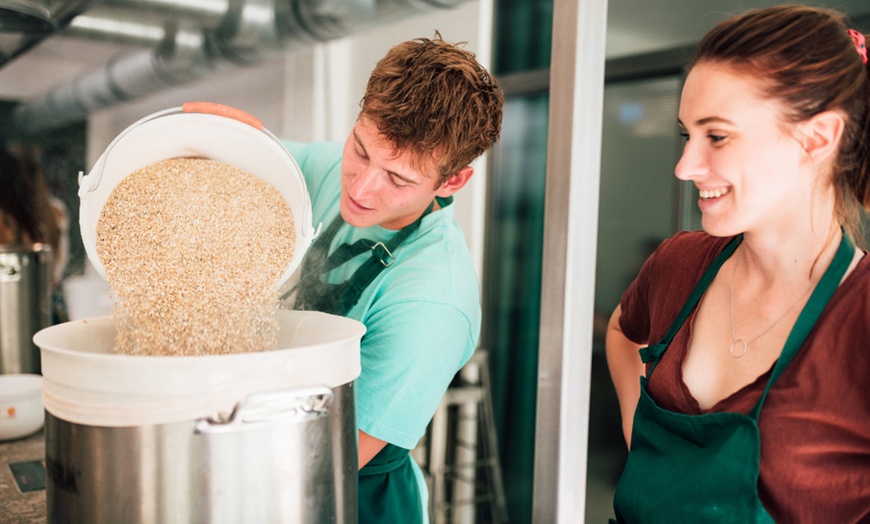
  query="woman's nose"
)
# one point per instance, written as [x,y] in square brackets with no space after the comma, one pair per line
[692,163]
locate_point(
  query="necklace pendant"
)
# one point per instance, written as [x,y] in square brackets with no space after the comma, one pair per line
[738,342]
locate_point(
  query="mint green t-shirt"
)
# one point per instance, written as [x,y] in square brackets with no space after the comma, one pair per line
[422,314]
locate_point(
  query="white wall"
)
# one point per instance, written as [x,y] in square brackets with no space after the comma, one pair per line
[312,94]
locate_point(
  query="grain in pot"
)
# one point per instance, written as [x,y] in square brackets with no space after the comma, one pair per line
[193,249]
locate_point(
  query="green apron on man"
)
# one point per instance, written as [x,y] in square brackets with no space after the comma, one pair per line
[705,468]
[388,491]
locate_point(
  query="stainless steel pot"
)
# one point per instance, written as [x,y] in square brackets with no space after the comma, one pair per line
[279,457]
[261,437]
[25,305]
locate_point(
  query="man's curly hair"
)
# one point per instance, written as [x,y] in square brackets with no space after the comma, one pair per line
[433,98]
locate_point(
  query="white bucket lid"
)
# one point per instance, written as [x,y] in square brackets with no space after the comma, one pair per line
[86,382]
[197,129]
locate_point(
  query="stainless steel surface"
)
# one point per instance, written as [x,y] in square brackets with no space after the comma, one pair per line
[568,284]
[298,471]
[25,305]
[268,410]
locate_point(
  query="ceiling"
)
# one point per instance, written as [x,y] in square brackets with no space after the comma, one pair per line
[639,26]
[634,26]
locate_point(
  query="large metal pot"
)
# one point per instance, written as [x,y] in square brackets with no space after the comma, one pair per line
[256,437]
[25,305]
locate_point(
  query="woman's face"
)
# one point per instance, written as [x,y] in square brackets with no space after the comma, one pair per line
[746,161]
[379,187]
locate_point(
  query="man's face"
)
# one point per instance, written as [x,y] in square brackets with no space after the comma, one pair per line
[381,186]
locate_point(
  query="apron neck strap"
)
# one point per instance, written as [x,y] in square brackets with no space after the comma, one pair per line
[337,299]
[811,312]
[653,353]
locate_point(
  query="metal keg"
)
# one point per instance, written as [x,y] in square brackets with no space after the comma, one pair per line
[25,305]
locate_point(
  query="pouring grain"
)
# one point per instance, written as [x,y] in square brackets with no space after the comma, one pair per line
[193,250]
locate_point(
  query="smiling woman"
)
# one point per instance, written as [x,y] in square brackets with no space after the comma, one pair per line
[754,327]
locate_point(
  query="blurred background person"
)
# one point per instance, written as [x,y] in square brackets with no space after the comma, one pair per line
[30,214]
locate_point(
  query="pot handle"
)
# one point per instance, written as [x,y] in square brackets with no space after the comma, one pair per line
[271,409]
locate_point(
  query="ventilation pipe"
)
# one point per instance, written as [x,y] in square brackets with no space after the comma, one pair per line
[25,23]
[194,39]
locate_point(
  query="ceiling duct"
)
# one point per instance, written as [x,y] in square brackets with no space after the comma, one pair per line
[192,39]
[20,16]
[25,23]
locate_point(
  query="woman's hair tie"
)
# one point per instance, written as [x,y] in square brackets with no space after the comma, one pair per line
[860,44]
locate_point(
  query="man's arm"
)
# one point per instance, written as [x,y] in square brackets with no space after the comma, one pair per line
[369,446]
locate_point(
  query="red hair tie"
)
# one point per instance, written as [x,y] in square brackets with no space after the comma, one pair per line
[860,44]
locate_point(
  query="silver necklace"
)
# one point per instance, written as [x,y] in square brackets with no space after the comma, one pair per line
[737,342]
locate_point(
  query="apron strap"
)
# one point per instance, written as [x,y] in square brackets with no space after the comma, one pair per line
[346,294]
[654,352]
[811,312]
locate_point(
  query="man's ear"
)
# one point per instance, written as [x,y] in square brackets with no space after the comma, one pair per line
[455,182]
[821,135]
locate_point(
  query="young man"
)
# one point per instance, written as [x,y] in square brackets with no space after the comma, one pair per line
[392,256]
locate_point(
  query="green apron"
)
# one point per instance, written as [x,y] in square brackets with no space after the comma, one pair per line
[388,490]
[704,468]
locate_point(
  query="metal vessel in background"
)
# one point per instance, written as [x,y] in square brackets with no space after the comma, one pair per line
[25,305]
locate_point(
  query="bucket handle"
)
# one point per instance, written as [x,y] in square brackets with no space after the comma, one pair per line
[270,410]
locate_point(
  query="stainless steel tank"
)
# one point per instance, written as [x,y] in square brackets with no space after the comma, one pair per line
[25,305]
[255,437]
[295,465]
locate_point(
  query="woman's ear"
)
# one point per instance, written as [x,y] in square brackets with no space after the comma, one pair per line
[820,135]
[455,182]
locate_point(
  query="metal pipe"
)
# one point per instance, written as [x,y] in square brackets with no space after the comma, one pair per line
[15,44]
[181,58]
[247,32]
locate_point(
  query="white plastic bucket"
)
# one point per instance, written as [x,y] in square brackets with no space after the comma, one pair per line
[204,130]
[87,383]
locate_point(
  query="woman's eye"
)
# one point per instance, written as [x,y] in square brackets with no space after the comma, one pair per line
[685,136]
[360,153]
[715,138]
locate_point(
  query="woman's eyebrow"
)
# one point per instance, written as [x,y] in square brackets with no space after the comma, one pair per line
[709,120]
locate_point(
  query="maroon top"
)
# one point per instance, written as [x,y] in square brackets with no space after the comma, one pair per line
[815,423]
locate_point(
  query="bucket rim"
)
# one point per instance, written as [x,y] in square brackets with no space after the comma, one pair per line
[237,121]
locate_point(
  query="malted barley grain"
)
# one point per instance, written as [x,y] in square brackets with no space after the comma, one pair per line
[193,249]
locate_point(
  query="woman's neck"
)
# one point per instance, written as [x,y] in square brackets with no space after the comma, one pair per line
[793,257]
